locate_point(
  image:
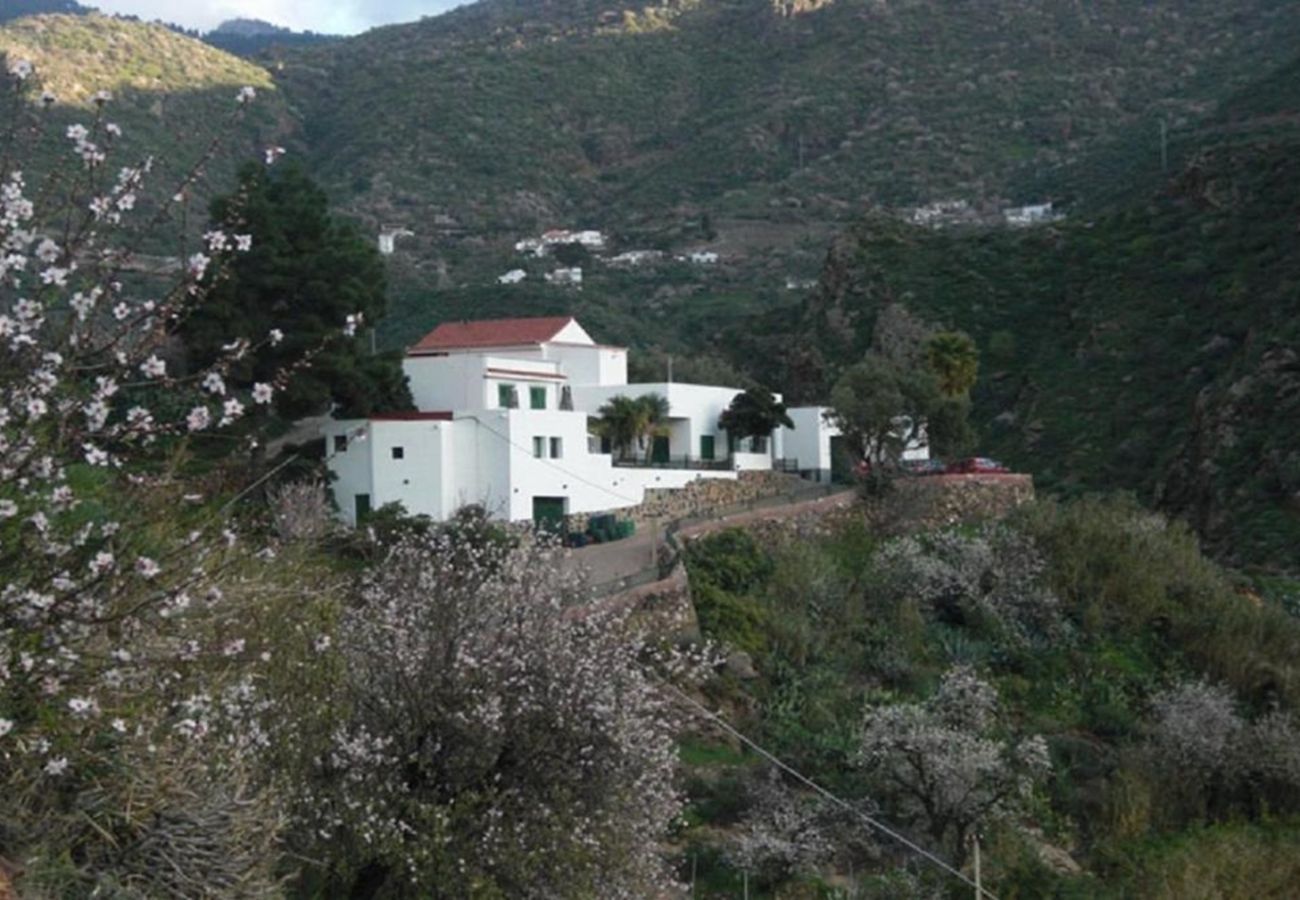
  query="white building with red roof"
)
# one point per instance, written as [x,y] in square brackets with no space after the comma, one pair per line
[503,421]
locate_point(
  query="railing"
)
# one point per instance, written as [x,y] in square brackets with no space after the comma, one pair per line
[673,462]
[787,464]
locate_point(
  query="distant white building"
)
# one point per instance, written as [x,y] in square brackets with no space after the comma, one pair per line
[541,246]
[514,276]
[388,239]
[633,258]
[503,420]
[702,258]
[1024,216]
[565,276]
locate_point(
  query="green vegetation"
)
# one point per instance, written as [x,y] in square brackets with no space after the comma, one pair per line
[307,276]
[170,96]
[1156,682]
[1148,347]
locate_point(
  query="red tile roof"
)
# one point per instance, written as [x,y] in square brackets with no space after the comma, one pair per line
[490,333]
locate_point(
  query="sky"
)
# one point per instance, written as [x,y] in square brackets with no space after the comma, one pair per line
[325,16]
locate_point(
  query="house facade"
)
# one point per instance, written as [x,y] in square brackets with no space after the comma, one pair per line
[503,419]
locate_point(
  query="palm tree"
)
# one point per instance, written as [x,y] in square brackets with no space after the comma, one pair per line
[654,411]
[620,423]
[626,421]
[955,361]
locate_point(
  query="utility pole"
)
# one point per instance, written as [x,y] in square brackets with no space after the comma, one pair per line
[670,369]
[979,882]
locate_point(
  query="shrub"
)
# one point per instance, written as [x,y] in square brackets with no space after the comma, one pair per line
[944,762]
[485,736]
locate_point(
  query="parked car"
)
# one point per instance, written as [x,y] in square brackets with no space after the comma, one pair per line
[924,467]
[978,465]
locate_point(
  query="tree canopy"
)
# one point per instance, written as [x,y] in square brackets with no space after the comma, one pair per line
[306,274]
[755,414]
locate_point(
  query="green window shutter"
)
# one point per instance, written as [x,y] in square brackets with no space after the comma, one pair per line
[507,396]
[537,397]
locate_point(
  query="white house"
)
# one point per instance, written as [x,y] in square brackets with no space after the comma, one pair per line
[502,420]
[1035,214]
[514,276]
[572,276]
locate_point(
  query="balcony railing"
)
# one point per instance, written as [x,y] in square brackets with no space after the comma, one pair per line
[787,464]
[672,462]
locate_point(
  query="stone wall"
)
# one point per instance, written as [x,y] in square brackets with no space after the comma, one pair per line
[712,496]
[663,608]
[919,504]
[926,504]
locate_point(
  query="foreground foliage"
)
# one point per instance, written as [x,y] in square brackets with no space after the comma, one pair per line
[1163,694]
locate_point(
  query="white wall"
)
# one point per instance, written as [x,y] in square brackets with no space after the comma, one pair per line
[810,440]
[353,468]
[592,365]
[419,481]
[693,408]
[748,462]
[444,383]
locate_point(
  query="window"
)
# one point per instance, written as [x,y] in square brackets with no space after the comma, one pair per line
[399,453]
[340,443]
[537,397]
[507,396]
[557,448]
[539,447]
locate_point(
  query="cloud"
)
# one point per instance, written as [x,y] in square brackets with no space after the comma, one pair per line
[325,16]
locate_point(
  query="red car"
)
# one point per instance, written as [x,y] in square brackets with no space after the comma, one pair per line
[978,465]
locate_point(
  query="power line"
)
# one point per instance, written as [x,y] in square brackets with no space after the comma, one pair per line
[844,804]
[574,475]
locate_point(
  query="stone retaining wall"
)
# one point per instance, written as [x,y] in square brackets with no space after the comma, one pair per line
[929,503]
[704,497]
[920,504]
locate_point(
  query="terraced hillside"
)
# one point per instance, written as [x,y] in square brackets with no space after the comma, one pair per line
[1152,346]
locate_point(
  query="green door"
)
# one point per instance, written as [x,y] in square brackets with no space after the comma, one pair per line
[548,514]
[707,447]
[363,507]
[659,450]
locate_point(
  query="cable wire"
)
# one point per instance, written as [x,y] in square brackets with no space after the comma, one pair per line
[844,804]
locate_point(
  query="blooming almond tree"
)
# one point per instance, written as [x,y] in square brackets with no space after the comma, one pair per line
[489,735]
[129,701]
[943,763]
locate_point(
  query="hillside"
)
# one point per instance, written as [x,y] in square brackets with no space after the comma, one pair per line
[617,116]
[254,37]
[1150,347]
[171,94]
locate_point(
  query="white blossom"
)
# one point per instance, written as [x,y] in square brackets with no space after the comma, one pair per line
[153,367]
[199,418]
[262,393]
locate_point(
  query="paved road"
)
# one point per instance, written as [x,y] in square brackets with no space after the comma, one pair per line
[618,559]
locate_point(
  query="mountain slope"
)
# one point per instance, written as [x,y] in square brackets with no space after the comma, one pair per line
[519,113]
[171,94]
[1152,347]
